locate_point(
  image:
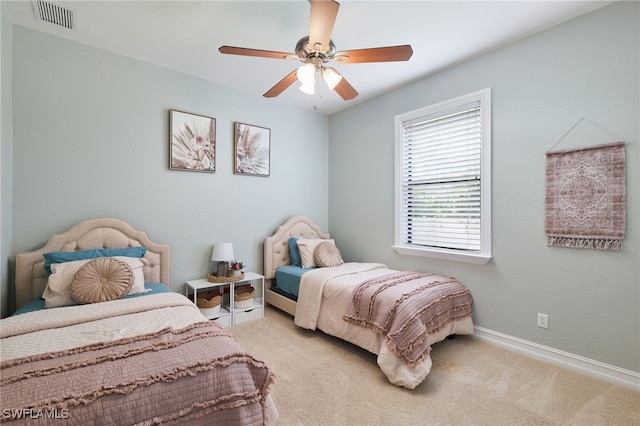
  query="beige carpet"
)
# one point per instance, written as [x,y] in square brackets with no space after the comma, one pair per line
[321,380]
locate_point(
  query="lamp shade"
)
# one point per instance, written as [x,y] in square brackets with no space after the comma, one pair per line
[308,88]
[222,252]
[306,74]
[331,77]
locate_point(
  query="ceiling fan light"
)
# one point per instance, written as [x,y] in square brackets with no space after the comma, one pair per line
[308,88]
[306,74]
[331,77]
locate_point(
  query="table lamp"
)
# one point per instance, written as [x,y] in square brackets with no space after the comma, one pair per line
[223,254]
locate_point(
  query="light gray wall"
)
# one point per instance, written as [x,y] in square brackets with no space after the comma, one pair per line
[6,29]
[91,139]
[541,87]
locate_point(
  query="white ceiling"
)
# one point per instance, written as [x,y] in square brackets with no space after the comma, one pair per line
[185,36]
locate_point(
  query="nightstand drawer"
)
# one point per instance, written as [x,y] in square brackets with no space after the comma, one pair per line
[250,315]
[224,321]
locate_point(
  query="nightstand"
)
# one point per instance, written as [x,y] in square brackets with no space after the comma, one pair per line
[228,314]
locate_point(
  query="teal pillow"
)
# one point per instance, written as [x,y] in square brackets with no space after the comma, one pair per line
[69,256]
[294,252]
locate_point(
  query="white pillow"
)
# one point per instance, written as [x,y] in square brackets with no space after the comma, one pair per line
[58,289]
[307,247]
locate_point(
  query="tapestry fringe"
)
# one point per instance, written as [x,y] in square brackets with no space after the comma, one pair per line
[589,243]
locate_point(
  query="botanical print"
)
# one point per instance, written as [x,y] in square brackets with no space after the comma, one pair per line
[193,142]
[252,150]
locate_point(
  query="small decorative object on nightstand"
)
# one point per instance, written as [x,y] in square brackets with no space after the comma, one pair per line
[236,267]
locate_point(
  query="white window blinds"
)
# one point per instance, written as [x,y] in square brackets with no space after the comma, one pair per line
[441,179]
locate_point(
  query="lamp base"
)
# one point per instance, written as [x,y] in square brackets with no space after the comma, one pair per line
[223,269]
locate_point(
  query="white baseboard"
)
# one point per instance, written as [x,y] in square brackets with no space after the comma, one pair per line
[610,373]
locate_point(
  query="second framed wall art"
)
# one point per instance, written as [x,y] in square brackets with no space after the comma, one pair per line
[252,150]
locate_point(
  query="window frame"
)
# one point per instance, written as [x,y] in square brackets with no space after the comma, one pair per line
[483,256]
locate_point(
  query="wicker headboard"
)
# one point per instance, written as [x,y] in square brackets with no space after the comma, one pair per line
[276,247]
[31,278]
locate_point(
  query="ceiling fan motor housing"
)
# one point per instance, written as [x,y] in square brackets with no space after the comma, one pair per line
[306,52]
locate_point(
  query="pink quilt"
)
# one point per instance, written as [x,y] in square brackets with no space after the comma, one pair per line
[406,307]
[144,361]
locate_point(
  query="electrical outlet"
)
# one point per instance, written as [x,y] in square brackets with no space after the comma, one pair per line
[543,320]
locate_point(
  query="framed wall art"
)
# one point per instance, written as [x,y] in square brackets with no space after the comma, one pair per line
[193,142]
[252,150]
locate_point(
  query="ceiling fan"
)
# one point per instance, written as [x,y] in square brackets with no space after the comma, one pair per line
[317,49]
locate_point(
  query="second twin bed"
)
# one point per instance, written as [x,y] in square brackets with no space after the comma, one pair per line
[396,315]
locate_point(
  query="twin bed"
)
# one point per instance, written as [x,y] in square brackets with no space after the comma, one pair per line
[146,358]
[394,314]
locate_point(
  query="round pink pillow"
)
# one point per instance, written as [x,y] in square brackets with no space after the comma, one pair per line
[101,280]
[327,255]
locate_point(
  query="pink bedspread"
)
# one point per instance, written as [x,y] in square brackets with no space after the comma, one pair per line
[171,376]
[406,307]
[152,360]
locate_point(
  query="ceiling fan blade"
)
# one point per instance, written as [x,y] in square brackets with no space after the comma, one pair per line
[282,85]
[323,17]
[344,88]
[375,54]
[232,50]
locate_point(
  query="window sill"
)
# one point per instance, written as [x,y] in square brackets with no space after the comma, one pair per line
[454,256]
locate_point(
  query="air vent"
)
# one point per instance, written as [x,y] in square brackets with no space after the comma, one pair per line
[55,14]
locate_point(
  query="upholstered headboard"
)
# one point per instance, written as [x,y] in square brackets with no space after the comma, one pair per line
[276,247]
[31,277]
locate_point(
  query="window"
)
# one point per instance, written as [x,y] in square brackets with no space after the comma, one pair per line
[443,180]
